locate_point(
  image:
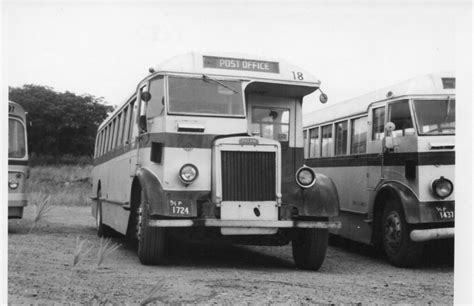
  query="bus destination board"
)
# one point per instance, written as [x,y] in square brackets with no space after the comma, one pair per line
[240,64]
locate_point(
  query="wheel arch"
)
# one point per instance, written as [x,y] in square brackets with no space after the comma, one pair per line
[396,191]
[135,196]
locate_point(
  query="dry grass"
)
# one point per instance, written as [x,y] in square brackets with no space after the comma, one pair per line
[66,185]
[81,251]
[106,248]
[42,208]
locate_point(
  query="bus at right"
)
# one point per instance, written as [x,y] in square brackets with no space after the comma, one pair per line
[391,155]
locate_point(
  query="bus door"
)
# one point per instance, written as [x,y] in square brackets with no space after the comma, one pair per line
[374,145]
[134,141]
[402,139]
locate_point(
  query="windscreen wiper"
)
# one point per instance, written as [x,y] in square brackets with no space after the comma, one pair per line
[208,79]
[448,109]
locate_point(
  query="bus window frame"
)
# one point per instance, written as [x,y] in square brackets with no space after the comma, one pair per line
[410,107]
[351,120]
[199,77]
[318,147]
[331,148]
[373,107]
[335,123]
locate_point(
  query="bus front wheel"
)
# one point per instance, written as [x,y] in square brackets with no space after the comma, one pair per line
[309,248]
[400,249]
[151,240]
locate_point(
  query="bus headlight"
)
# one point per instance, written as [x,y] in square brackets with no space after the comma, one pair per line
[442,187]
[13,184]
[188,173]
[305,177]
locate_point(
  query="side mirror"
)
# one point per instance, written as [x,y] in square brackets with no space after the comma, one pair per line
[323,98]
[142,123]
[146,96]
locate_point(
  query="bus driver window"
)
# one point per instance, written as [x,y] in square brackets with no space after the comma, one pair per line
[271,123]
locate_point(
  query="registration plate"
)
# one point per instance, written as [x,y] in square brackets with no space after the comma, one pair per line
[180,207]
[445,213]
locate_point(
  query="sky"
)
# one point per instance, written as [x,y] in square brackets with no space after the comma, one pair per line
[104,48]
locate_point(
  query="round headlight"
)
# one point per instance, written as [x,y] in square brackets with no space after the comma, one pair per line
[442,187]
[13,184]
[188,173]
[305,177]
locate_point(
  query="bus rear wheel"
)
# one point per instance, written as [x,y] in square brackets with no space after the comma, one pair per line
[151,240]
[401,251]
[309,248]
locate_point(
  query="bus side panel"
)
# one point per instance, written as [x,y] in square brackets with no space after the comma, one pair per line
[115,216]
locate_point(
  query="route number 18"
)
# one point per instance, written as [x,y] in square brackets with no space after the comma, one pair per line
[298,75]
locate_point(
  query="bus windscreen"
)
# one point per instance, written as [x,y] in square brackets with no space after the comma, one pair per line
[204,97]
[435,117]
[16,139]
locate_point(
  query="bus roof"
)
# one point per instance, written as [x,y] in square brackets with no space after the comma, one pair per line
[16,109]
[441,83]
[250,67]
[238,65]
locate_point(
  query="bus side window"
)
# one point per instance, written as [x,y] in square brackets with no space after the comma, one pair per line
[113,134]
[131,122]
[359,135]
[107,138]
[341,138]
[305,143]
[97,145]
[399,114]
[157,103]
[126,123]
[378,123]
[327,141]
[314,144]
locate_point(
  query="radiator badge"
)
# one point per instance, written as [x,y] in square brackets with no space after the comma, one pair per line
[248,141]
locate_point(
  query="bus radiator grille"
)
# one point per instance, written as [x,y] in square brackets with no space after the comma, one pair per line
[248,176]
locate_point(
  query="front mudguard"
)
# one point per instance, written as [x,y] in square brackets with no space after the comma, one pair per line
[416,212]
[159,199]
[320,200]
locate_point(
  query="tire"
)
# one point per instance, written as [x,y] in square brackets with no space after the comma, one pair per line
[151,240]
[102,229]
[309,248]
[401,251]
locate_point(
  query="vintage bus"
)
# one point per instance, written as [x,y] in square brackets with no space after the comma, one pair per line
[212,146]
[391,155]
[18,170]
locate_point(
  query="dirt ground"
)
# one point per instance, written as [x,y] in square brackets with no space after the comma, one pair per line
[41,270]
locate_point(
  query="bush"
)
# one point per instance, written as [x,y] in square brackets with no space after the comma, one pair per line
[61,123]
[52,160]
[66,185]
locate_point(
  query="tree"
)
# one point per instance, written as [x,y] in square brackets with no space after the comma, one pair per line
[61,123]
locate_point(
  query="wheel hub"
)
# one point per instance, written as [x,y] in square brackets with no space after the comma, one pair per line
[393,231]
[139,223]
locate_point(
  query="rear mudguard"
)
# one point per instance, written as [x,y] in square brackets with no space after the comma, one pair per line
[320,200]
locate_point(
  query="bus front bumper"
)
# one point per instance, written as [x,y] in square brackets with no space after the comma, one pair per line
[431,234]
[245,223]
[17,199]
